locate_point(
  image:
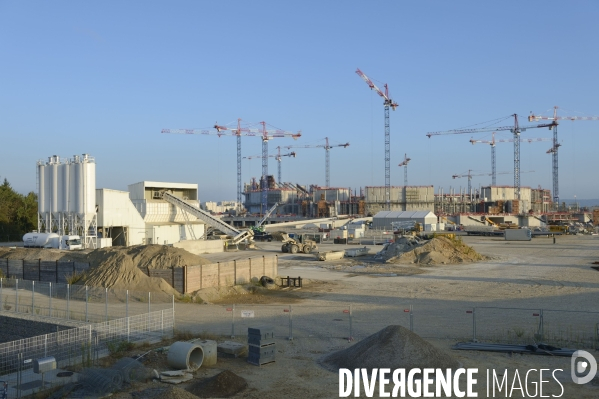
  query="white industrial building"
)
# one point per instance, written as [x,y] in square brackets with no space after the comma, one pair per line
[141,216]
[69,203]
[382,220]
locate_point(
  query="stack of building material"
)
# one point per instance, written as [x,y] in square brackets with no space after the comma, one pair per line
[262,346]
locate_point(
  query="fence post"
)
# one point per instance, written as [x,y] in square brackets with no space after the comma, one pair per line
[541,331]
[127,307]
[161,321]
[86,301]
[1,305]
[50,300]
[350,338]
[68,301]
[149,302]
[233,322]
[290,325]
[33,297]
[474,325]
[173,315]
[106,303]
[45,347]
[17,295]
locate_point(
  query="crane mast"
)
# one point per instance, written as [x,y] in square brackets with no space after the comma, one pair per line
[387,104]
[554,149]
[277,158]
[327,159]
[493,158]
[515,129]
[404,163]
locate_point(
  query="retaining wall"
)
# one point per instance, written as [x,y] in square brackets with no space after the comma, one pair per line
[52,271]
[184,279]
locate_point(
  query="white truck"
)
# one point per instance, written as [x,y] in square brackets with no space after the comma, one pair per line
[518,235]
[52,240]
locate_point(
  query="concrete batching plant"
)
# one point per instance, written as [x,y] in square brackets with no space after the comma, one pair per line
[67,197]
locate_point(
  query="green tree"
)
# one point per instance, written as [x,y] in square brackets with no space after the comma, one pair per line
[18,213]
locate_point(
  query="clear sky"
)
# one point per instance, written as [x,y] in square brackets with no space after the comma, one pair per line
[106,77]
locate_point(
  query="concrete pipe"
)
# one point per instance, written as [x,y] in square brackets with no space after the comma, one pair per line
[185,355]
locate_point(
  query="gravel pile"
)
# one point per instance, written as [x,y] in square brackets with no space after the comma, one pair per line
[392,347]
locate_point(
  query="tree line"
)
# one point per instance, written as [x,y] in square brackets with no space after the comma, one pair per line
[18,213]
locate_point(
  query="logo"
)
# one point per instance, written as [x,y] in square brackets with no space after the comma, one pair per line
[583,363]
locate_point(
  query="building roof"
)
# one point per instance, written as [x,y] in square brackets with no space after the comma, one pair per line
[404,214]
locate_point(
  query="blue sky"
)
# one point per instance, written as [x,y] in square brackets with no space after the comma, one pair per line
[105,78]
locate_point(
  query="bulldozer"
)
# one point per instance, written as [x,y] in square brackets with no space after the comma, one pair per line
[299,243]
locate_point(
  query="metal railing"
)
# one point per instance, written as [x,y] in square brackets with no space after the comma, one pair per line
[76,346]
[77,302]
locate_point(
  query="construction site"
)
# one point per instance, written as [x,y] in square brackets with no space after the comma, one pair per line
[153,295]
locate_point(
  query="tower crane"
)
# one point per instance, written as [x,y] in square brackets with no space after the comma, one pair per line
[493,142]
[404,163]
[553,150]
[262,132]
[516,129]
[387,103]
[327,161]
[469,176]
[277,157]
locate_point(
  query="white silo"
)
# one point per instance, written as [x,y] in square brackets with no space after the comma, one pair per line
[79,187]
[42,212]
[74,185]
[89,184]
[63,187]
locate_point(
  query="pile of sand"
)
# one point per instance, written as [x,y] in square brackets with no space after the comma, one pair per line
[222,385]
[392,347]
[118,267]
[439,250]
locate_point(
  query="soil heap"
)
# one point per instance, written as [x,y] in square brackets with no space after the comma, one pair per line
[163,393]
[222,385]
[392,347]
[439,250]
[118,267]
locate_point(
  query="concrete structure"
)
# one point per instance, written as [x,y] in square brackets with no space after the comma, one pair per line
[507,194]
[141,216]
[166,224]
[383,219]
[409,198]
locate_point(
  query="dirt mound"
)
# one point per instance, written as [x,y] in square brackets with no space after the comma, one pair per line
[126,267]
[222,385]
[163,393]
[118,267]
[439,250]
[392,347]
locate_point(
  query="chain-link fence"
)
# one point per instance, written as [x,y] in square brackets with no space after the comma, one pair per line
[562,328]
[77,302]
[76,346]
